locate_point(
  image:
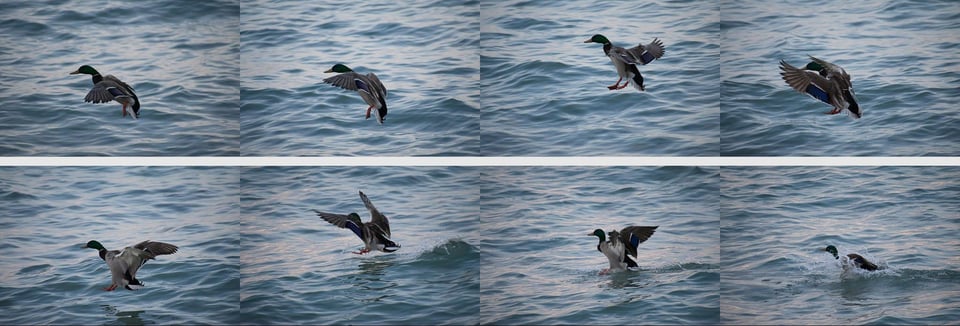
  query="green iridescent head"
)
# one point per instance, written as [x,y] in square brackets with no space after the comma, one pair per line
[813,65]
[599,233]
[85,69]
[339,68]
[598,39]
[833,250]
[355,218]
[93,243]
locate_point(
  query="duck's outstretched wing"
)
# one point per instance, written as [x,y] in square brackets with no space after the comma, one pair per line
[377,219]
[129,261]
[835,74]
[347,80]
[641,54]
[342,221]
[810,83]
[833,71]
[633,236]
[109,89]
[154,248]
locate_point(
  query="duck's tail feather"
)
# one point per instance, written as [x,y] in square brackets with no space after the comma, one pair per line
[382,111]
[136,107]
[638,83]
[637,80]
[854,107]
[388,245]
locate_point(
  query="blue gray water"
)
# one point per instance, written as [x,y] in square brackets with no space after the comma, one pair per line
[544,90]
[47,214]
[424,52]
[901,56]
[775,222]
[540,266]
[179,56]
[299,269]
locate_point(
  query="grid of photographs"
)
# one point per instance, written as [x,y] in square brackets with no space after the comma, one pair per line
[437,162]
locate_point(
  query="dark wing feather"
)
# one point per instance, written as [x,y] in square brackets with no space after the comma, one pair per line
[152,250]
[127,89]
[862,262]
[362,85]
[108,89]
[633,236]
[642,54]
[347,80]
[101,92]
[835,73]
[156,248]
[807,82]
[379,88]
[342,221]
[376,218]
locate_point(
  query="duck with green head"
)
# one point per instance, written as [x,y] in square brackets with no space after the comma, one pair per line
[826,82]
[374,234]
[125,264]
[369,87]
[622,245]
[626,60]
[109,88]
[857,260]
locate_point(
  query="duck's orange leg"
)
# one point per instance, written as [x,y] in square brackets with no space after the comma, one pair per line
[614,86]
[368,111]
[362,251]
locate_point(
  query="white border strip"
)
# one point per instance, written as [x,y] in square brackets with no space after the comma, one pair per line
[479,161]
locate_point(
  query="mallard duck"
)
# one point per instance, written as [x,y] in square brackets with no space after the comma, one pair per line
[369,87]
[857,260]
[375,234]
[622,245]
[824,81]
[626,60]
[125,264]
[107,88]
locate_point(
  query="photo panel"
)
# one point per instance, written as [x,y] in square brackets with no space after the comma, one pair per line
[69,233]
[299,266]
[120,78]
[879,69]
[892,230]
[546,70]
[546,239]
[360,78]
